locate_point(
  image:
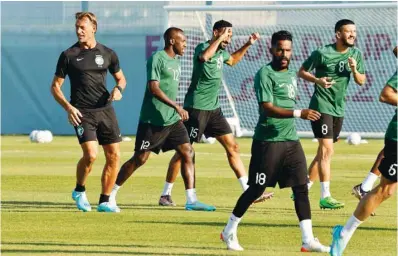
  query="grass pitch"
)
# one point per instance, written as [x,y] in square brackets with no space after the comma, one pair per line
[39,216]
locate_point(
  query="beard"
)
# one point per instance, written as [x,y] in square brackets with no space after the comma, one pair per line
[278,62]
[346,43]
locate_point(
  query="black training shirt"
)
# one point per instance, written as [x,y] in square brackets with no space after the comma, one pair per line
[87,70]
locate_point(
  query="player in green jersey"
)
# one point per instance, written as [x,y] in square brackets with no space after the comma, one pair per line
[388,182]
[160,126]
[333,64]
[277,154]
[360,190]
[202,103]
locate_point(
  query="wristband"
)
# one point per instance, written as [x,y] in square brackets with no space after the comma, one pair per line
[119,88]
[297,113]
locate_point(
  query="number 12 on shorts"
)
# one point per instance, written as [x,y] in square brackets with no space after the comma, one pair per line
[260,178]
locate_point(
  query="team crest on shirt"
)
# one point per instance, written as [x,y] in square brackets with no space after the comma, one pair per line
[80,130]
[99,60]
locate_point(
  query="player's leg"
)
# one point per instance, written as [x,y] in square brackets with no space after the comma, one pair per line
[108,134]
[388,184]
[313,170]
[178,139]
[235,162]
[83,169]
[88,142]
[294,175]
[108,178]
[172,173]
[326,130]
[219,128]
[195,127]
[361,189]
[149,138]
[264,162]
[368,204]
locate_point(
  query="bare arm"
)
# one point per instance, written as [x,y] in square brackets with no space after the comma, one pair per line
[324,82]
[57,92]
[73,113]
[116,93]
[211,50]
[154,89]
[358,77]
[238,55]
[277,112]
[389,96]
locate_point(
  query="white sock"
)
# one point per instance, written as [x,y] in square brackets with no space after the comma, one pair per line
[368,182]
[167,188]
[306,231]
[232,224]
[309,184]
[191,196]
[349,228]
[115,189]
[325,189]
[243,182]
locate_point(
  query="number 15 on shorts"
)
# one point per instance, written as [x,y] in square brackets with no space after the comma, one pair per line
[260,178]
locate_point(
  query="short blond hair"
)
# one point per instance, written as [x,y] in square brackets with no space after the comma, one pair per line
[89,15]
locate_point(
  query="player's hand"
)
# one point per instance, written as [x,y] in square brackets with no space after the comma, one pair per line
[115,95]
[353,64]
[309,114]
[395,51]
[74,116]
[183,113]
[253,38]
[325,82]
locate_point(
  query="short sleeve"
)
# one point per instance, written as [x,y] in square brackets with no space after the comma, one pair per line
[392,82]
[114,66]
[360,63]
[153,68]
[62,66]
[263,87]
[198,50]
[226,56]
[313,61]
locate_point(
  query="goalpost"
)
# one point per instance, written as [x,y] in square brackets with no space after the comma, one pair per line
[312,26]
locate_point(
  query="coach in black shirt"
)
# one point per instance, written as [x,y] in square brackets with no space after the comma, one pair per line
[90,108]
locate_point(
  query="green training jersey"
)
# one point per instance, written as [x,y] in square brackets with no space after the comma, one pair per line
[206,79]
[166,70]
[279,88]
[328,62]
[391,132]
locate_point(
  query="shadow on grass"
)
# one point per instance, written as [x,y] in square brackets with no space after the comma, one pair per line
[30,251]
[248,224]
[127,246]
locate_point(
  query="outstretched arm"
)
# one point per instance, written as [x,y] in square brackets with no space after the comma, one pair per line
[238,55]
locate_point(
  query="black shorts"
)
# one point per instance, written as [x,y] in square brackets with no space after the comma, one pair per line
[211,123]
[98,124]
[277,162]
[155,138]
[327,127]
[388,165]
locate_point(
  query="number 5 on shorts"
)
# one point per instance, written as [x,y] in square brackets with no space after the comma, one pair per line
[260,178]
